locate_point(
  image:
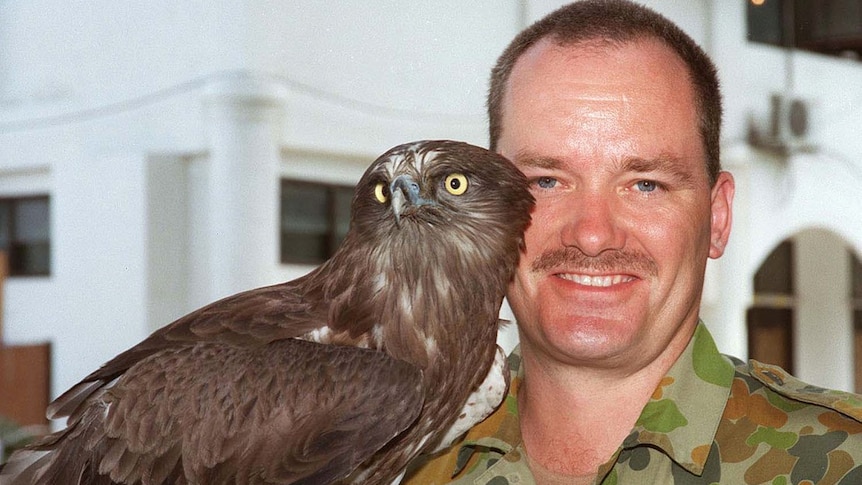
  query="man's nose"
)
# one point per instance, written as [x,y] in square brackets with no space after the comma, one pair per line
[594,224]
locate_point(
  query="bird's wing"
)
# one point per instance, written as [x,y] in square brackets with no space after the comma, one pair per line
[291,412]
[250,318]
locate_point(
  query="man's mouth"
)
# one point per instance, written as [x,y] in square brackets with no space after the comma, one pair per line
[597,281]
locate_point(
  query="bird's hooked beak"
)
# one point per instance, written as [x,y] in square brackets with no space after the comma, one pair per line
[405,196]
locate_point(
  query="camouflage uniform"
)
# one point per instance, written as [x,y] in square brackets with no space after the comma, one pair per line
[713,419]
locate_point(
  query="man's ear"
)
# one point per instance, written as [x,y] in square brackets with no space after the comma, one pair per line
[722,213]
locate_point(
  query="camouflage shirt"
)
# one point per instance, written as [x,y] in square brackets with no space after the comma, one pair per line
[713,419]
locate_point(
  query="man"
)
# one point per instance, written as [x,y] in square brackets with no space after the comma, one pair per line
[614,115]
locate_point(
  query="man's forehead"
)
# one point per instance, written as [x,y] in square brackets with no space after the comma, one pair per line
[592,60]
[584,92]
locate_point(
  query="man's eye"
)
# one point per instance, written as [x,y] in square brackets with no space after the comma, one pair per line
[546,182]
[647,185]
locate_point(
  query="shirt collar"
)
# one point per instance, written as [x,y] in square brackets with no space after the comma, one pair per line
[681,417]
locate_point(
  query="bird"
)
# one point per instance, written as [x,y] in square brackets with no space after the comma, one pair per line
[384,352]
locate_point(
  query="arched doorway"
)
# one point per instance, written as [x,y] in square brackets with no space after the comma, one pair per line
[770,318]
[806,313]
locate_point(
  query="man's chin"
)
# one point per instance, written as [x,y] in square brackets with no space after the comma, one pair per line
[587,339]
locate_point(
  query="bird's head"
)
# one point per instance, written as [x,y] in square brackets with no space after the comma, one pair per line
[436,232]
[442,190]
[440,183]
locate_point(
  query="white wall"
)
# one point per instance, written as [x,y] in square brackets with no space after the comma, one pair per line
[98,303]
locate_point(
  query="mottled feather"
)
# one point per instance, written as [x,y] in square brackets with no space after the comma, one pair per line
[341,376]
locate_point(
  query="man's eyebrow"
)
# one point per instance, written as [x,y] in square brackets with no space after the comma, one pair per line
[527,160]
[672,166]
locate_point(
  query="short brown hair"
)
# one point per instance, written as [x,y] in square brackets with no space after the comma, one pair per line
[617,21]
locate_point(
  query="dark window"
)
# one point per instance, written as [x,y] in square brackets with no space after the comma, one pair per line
[832,27]
[25,234]
[765,22]
[314,220]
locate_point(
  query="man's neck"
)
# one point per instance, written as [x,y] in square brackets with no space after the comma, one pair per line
[544,476]
[574,419]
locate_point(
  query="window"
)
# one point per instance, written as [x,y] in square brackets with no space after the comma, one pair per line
[314,220]
[765,22]
[832,27]
[770,320]
[25,234]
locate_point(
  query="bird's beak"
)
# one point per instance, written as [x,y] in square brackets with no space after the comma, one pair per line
[405,196]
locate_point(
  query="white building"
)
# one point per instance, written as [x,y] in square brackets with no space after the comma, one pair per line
[160,133]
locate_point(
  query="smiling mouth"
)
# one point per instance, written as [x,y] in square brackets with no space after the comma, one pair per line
[596,281]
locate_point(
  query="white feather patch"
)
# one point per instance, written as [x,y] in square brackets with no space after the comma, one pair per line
[320,335]
[481,402]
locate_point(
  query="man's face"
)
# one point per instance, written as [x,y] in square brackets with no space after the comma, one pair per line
[625,217]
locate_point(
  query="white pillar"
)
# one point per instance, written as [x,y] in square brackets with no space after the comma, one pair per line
[823,343]
[239,189]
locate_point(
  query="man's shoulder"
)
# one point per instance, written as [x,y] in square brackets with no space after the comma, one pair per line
[777,426]
[773,398]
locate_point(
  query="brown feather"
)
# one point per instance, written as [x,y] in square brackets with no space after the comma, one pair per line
[341,376]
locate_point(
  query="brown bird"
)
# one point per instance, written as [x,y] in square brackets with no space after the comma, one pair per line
[344,375]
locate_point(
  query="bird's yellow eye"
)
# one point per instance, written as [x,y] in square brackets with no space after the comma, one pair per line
[380,192]
[456,183]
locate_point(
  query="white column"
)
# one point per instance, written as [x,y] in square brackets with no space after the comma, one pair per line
[239,188]
[823,343]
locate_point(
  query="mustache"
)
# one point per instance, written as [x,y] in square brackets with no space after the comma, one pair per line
[612,261]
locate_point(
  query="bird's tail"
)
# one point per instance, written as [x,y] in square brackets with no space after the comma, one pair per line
[55,459]
[25,467]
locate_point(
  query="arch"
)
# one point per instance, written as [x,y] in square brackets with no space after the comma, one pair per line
[808,191]
[812,321]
